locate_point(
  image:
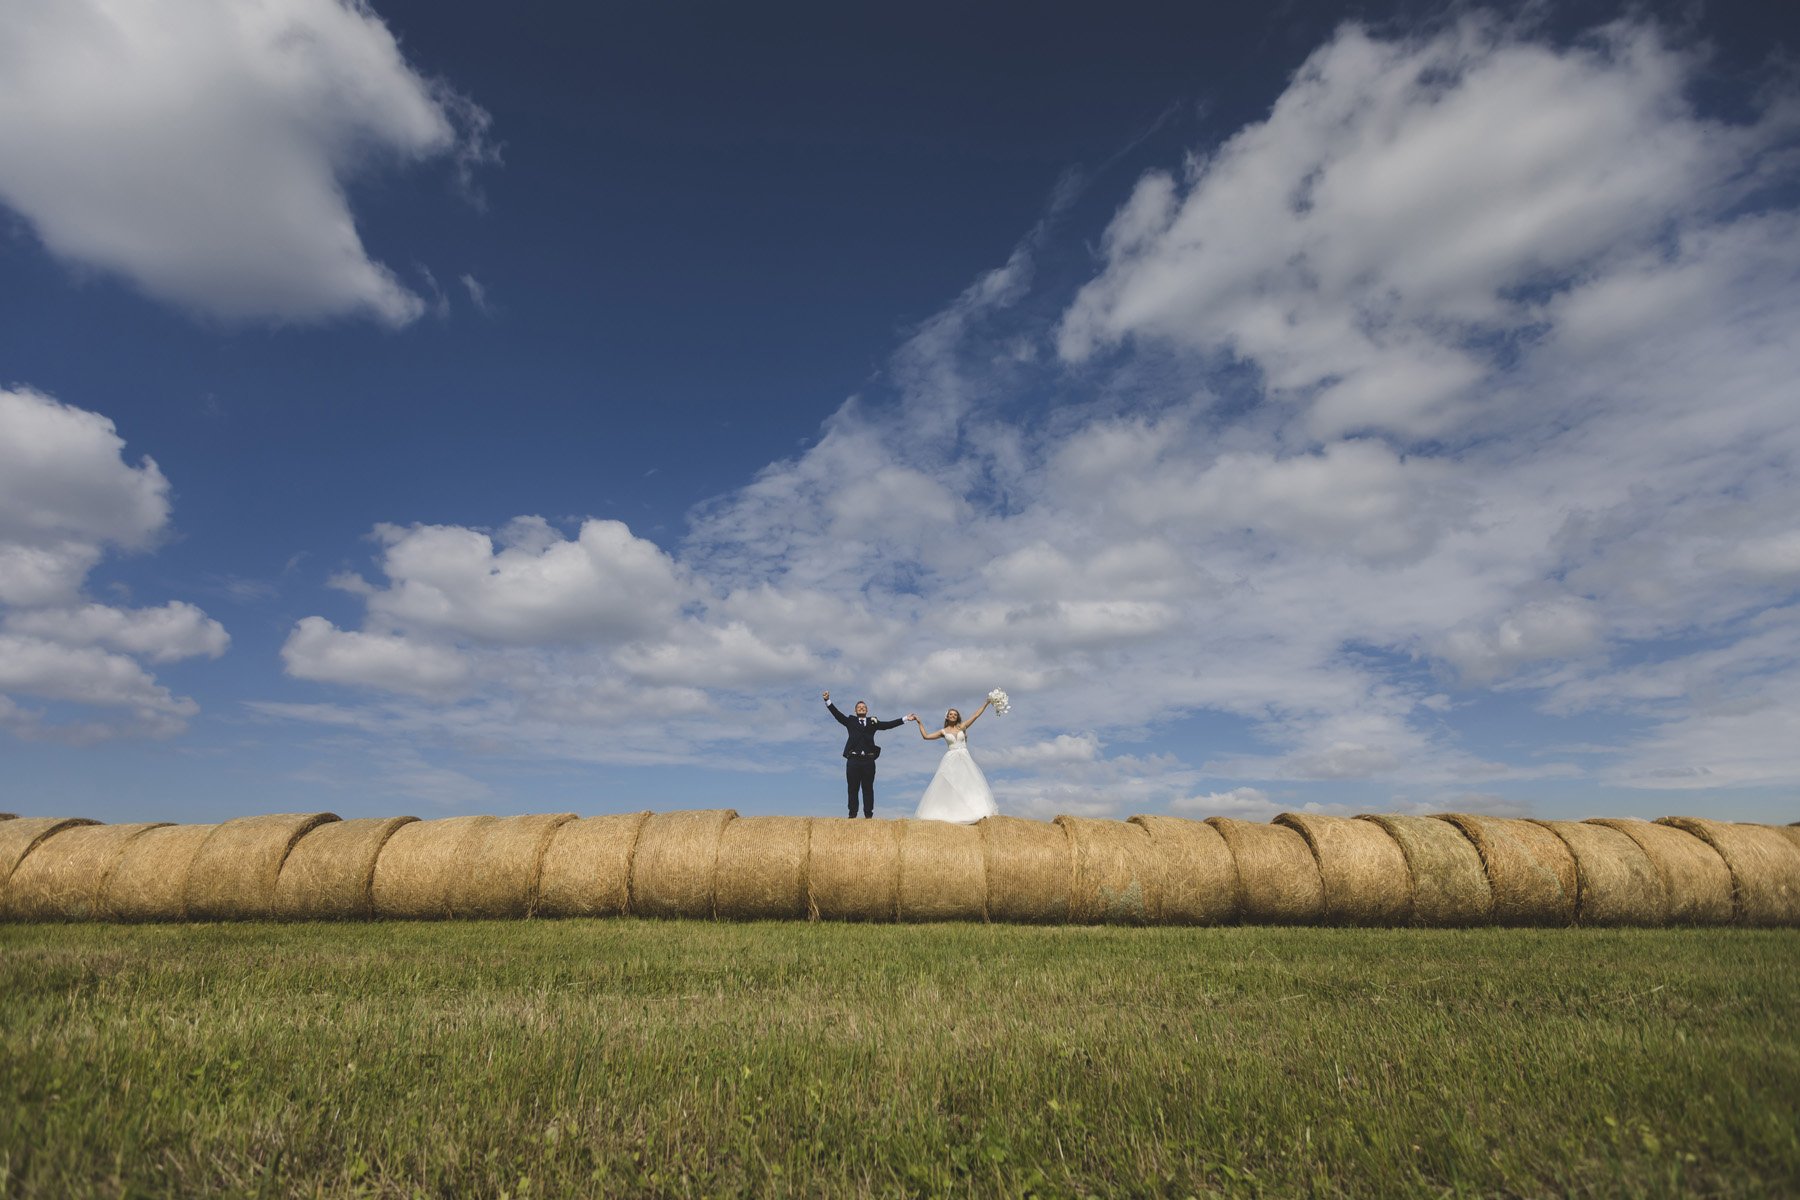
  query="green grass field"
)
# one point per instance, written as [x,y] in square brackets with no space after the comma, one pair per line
[675,1059]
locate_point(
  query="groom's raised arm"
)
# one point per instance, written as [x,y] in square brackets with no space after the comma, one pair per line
[841,718]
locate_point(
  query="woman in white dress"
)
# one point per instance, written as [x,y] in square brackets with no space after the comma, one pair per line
[959,791]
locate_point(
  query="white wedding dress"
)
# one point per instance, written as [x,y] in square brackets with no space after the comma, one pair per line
[959,791]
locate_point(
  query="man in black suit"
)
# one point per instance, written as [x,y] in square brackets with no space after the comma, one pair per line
[860,752]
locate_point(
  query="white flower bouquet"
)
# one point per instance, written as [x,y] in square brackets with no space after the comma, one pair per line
[1001,702]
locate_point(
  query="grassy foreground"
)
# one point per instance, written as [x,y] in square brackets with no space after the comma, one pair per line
[632,1057]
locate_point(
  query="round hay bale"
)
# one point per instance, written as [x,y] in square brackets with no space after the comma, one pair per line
[1195,871]
[20,836]
[853,872]
[1615,881]
[1696,883]
[676,861]
[943,873]
[762,869]
[329,875]
[501,879]
[233,875]
[1531,872]
[1115,876]
[1029,867]
[1764,865]
[1278,877]
[419,870]
[1790,832]
[586,870]
[1361,867]
[61,879]
[149,882]
[1450,886]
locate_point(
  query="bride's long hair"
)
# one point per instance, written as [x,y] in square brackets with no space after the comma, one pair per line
[952,713]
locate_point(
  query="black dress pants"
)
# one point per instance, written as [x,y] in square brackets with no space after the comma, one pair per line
[859,775]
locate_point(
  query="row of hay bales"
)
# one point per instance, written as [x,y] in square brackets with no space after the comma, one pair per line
[1452,870]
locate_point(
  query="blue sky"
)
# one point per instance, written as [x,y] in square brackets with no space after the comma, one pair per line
[411,409]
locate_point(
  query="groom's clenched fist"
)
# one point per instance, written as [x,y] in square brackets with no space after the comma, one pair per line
[825,696]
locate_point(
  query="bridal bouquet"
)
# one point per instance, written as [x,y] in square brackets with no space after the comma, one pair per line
[1002,703]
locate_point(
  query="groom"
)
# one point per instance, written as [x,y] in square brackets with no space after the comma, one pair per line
[860,752]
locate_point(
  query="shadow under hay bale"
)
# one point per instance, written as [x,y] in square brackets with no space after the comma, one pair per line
[1696,883]
[1278,879]
[1029,867]
[61,879]
[20,836]
[675,862]
[1361,867]
[419,871]
[329,875]
[943,873]
[233,874]
[1764,865]
[853,872]
[1616,884]
[502,873]
[149,881]
[1449,885]
[1116,873]
[762,869]
[1194,870]
[1531,872]
[586,870]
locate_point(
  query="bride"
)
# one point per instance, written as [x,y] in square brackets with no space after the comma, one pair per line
[959,791]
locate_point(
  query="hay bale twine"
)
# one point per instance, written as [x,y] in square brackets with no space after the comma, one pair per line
[586,870]
[1696,883]
[149,882]
[233,874]
[762,869]
[20,836]
[1195,871]
[1764,865]
[1449,885]
[504,866]
[419,869]
[329,875]
[1531,872]
[943,873]
[1115,876]
[676,861]
[1029,868]
[1616,884]
[1278,878]
[1361,867]
[853,872]
[61,879]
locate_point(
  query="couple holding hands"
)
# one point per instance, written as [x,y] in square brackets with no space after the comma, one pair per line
[958,792]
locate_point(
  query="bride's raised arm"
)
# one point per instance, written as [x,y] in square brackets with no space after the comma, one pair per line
[978,712]
[914,718]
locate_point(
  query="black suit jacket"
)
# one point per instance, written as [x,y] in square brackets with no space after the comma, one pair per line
[862,731]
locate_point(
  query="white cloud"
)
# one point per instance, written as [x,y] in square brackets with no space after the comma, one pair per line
[175,631]
[202,148]
[318,650]
[536,586]
[67,495]
[1400,202]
